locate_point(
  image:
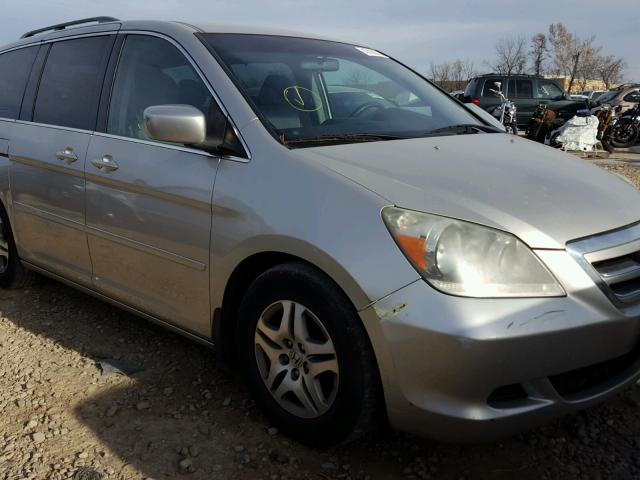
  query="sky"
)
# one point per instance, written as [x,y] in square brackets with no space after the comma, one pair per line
[416,32]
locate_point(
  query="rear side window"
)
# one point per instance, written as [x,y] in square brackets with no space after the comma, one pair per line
[524,89]
[470,91]
[489,85]
[548,90]
[15,67]
[70,83]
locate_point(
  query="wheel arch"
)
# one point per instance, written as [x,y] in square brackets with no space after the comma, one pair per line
[246,271]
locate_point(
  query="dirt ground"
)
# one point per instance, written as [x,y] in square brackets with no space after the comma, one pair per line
[180,417]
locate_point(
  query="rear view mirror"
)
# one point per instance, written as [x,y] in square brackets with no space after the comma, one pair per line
[321,64]
[182,124]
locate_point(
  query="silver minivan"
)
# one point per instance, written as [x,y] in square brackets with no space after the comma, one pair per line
[360,244]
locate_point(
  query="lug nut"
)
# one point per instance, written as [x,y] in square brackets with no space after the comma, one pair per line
[295,373]
[288,343]
[301,348]
[305,367]
[284,359]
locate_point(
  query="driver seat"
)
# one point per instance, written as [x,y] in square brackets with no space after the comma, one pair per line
[274,106]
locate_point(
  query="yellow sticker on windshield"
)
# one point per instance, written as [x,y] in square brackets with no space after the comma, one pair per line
[302,99]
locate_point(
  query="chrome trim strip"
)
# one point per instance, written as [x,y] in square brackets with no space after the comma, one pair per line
[62,168]
[613,252]
[193,336]
[158,252]
[52,217]
[629,297]
[174,257]
[615,243]
[612,275]
[615,238]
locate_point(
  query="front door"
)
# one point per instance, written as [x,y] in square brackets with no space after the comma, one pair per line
[149,203]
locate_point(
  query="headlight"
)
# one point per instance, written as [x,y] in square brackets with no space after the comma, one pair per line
[469,260]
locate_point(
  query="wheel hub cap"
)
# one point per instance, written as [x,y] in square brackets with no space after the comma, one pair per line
[296,359]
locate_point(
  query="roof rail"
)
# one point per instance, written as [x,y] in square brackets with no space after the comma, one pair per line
[62,26]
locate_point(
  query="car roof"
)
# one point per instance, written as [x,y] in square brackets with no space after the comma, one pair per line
[212,27]
[524,75]
[166,27]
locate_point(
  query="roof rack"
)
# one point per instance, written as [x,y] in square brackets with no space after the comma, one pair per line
[511,75]
[63,26]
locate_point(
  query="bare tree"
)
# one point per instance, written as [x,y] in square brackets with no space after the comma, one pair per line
[610,70]
[452,75]
[539,53]
[588,67]
[461,71]
[569,51]
[440,73]
[511,55]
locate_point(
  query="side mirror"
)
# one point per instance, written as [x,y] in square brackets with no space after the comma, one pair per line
[182,124]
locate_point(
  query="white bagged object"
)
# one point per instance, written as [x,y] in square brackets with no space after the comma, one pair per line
[578,133]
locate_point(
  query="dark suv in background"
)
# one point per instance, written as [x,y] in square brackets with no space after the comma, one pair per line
[526,91]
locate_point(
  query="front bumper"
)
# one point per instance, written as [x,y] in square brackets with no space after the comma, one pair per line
[474,369]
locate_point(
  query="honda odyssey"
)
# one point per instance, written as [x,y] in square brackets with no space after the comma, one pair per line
[359,244]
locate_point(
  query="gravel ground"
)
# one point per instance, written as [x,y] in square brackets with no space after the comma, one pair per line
[179,417]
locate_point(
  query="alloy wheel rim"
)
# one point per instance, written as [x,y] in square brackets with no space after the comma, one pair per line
[4,249]
[296,359]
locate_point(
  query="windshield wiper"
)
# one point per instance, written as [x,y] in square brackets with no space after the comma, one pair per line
[462,129]
[343,138]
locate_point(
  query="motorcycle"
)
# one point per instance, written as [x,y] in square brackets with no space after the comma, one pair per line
[607,117]
[625,132]
[543,121]
[505,112]
[576,134]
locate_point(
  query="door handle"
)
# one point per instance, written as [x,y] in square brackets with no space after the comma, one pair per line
[67,156]
[106,164]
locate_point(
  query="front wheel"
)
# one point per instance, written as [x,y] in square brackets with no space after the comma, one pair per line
[625,135]
[511,128]
[306,356]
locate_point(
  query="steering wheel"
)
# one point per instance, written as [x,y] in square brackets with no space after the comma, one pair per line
[364,107]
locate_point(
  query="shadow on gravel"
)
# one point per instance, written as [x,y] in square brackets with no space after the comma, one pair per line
[182,417]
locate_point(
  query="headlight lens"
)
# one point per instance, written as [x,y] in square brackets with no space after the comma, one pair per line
[465,259]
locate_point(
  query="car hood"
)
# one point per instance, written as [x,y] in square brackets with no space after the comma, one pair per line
[543,196]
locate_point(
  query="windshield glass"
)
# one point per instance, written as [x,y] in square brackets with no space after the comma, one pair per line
[608,96]
[306,89]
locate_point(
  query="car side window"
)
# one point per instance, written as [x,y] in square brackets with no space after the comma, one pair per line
[153,72]
[489,85]
[524,88]
[632,96]
[15,67]
[71,82]
[548,90]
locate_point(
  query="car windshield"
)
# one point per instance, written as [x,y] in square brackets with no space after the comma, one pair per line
[310,92]
[608,96]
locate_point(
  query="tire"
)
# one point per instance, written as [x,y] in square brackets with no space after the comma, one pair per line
[345,401]
[625,135]
[12,273]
